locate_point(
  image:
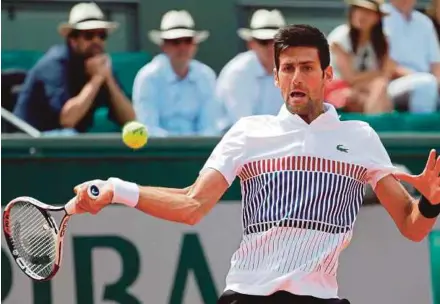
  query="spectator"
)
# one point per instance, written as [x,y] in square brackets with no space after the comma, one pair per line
[246,85]
[174,93]
[433,12]
[360,58]
[71,81]
[415,48]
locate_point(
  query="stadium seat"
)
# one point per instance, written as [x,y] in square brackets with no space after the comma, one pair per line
[102,124]
[421,122]
[12,79]
[388,122]
[398,122]
[126,66]
[20,59]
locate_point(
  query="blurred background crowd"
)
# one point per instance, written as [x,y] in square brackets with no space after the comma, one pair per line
[75,71]
[93,73]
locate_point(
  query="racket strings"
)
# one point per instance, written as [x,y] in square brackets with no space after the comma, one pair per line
[33,238]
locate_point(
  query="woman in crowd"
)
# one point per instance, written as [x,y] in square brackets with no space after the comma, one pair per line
[361,62]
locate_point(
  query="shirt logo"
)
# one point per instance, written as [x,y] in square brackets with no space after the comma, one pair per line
[342,148]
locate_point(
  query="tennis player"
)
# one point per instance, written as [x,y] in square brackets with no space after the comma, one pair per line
[303,174]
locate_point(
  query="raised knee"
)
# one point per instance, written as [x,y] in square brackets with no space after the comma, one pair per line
[428,83]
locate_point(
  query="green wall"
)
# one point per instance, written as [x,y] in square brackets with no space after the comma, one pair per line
[49,168]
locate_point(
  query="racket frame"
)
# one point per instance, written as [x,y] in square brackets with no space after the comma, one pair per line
[59,231]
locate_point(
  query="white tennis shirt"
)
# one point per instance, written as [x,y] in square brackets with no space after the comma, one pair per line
[302,186]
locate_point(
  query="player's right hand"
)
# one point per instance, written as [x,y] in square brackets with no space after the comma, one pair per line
[94,204]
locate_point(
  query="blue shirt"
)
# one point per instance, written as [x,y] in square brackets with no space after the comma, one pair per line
[56,77]
[171,106]
[244,88]
[413,41]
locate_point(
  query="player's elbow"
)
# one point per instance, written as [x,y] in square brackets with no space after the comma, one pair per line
[414,235]
[193,218]
[199,203]
[415,238]
[192,213]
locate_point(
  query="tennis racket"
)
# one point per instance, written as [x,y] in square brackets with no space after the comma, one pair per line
[33,236]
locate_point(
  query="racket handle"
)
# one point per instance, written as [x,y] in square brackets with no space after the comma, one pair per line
[70,207]
[93,191]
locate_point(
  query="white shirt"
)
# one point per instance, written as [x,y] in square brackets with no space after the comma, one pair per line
[413,42]
[364,54]
[302,187]
[244,88]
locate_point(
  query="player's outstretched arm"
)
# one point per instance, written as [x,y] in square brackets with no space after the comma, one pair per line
[187,205]
[414,218]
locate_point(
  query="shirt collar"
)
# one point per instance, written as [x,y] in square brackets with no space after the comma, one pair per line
[330,116]
[169,72]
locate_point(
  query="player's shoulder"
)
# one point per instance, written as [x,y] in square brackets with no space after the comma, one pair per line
[260,125]
[357,128]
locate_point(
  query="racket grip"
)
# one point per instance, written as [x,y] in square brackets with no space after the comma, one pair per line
[70,207]
[93,191]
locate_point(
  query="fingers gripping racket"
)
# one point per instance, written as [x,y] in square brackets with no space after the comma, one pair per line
[33,236]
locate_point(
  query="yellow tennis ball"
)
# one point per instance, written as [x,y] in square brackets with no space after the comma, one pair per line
[134,135]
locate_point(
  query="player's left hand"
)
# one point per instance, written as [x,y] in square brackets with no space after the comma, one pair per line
[428,182]
[91,204]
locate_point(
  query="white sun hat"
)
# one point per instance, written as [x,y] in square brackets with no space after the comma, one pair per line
[264,25]
[374,5]
[177,24]
[86,16]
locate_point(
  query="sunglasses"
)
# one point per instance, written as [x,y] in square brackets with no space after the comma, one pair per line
[264,42]
[90,35]
[178,41]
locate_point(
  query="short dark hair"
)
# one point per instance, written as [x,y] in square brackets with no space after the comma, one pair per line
[301,35]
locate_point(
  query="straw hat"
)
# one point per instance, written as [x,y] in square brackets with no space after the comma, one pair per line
[86,16]
[264,25]
[374,5]
[177,24]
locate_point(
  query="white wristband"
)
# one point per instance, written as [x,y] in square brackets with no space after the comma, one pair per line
[126,193]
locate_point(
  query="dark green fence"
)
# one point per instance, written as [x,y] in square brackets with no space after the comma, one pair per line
[49,168]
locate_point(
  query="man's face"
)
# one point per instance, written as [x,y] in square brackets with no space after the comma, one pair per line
[407,5]
[301,79]
[362,18]
[89,43]
[180,51]
[264,51]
